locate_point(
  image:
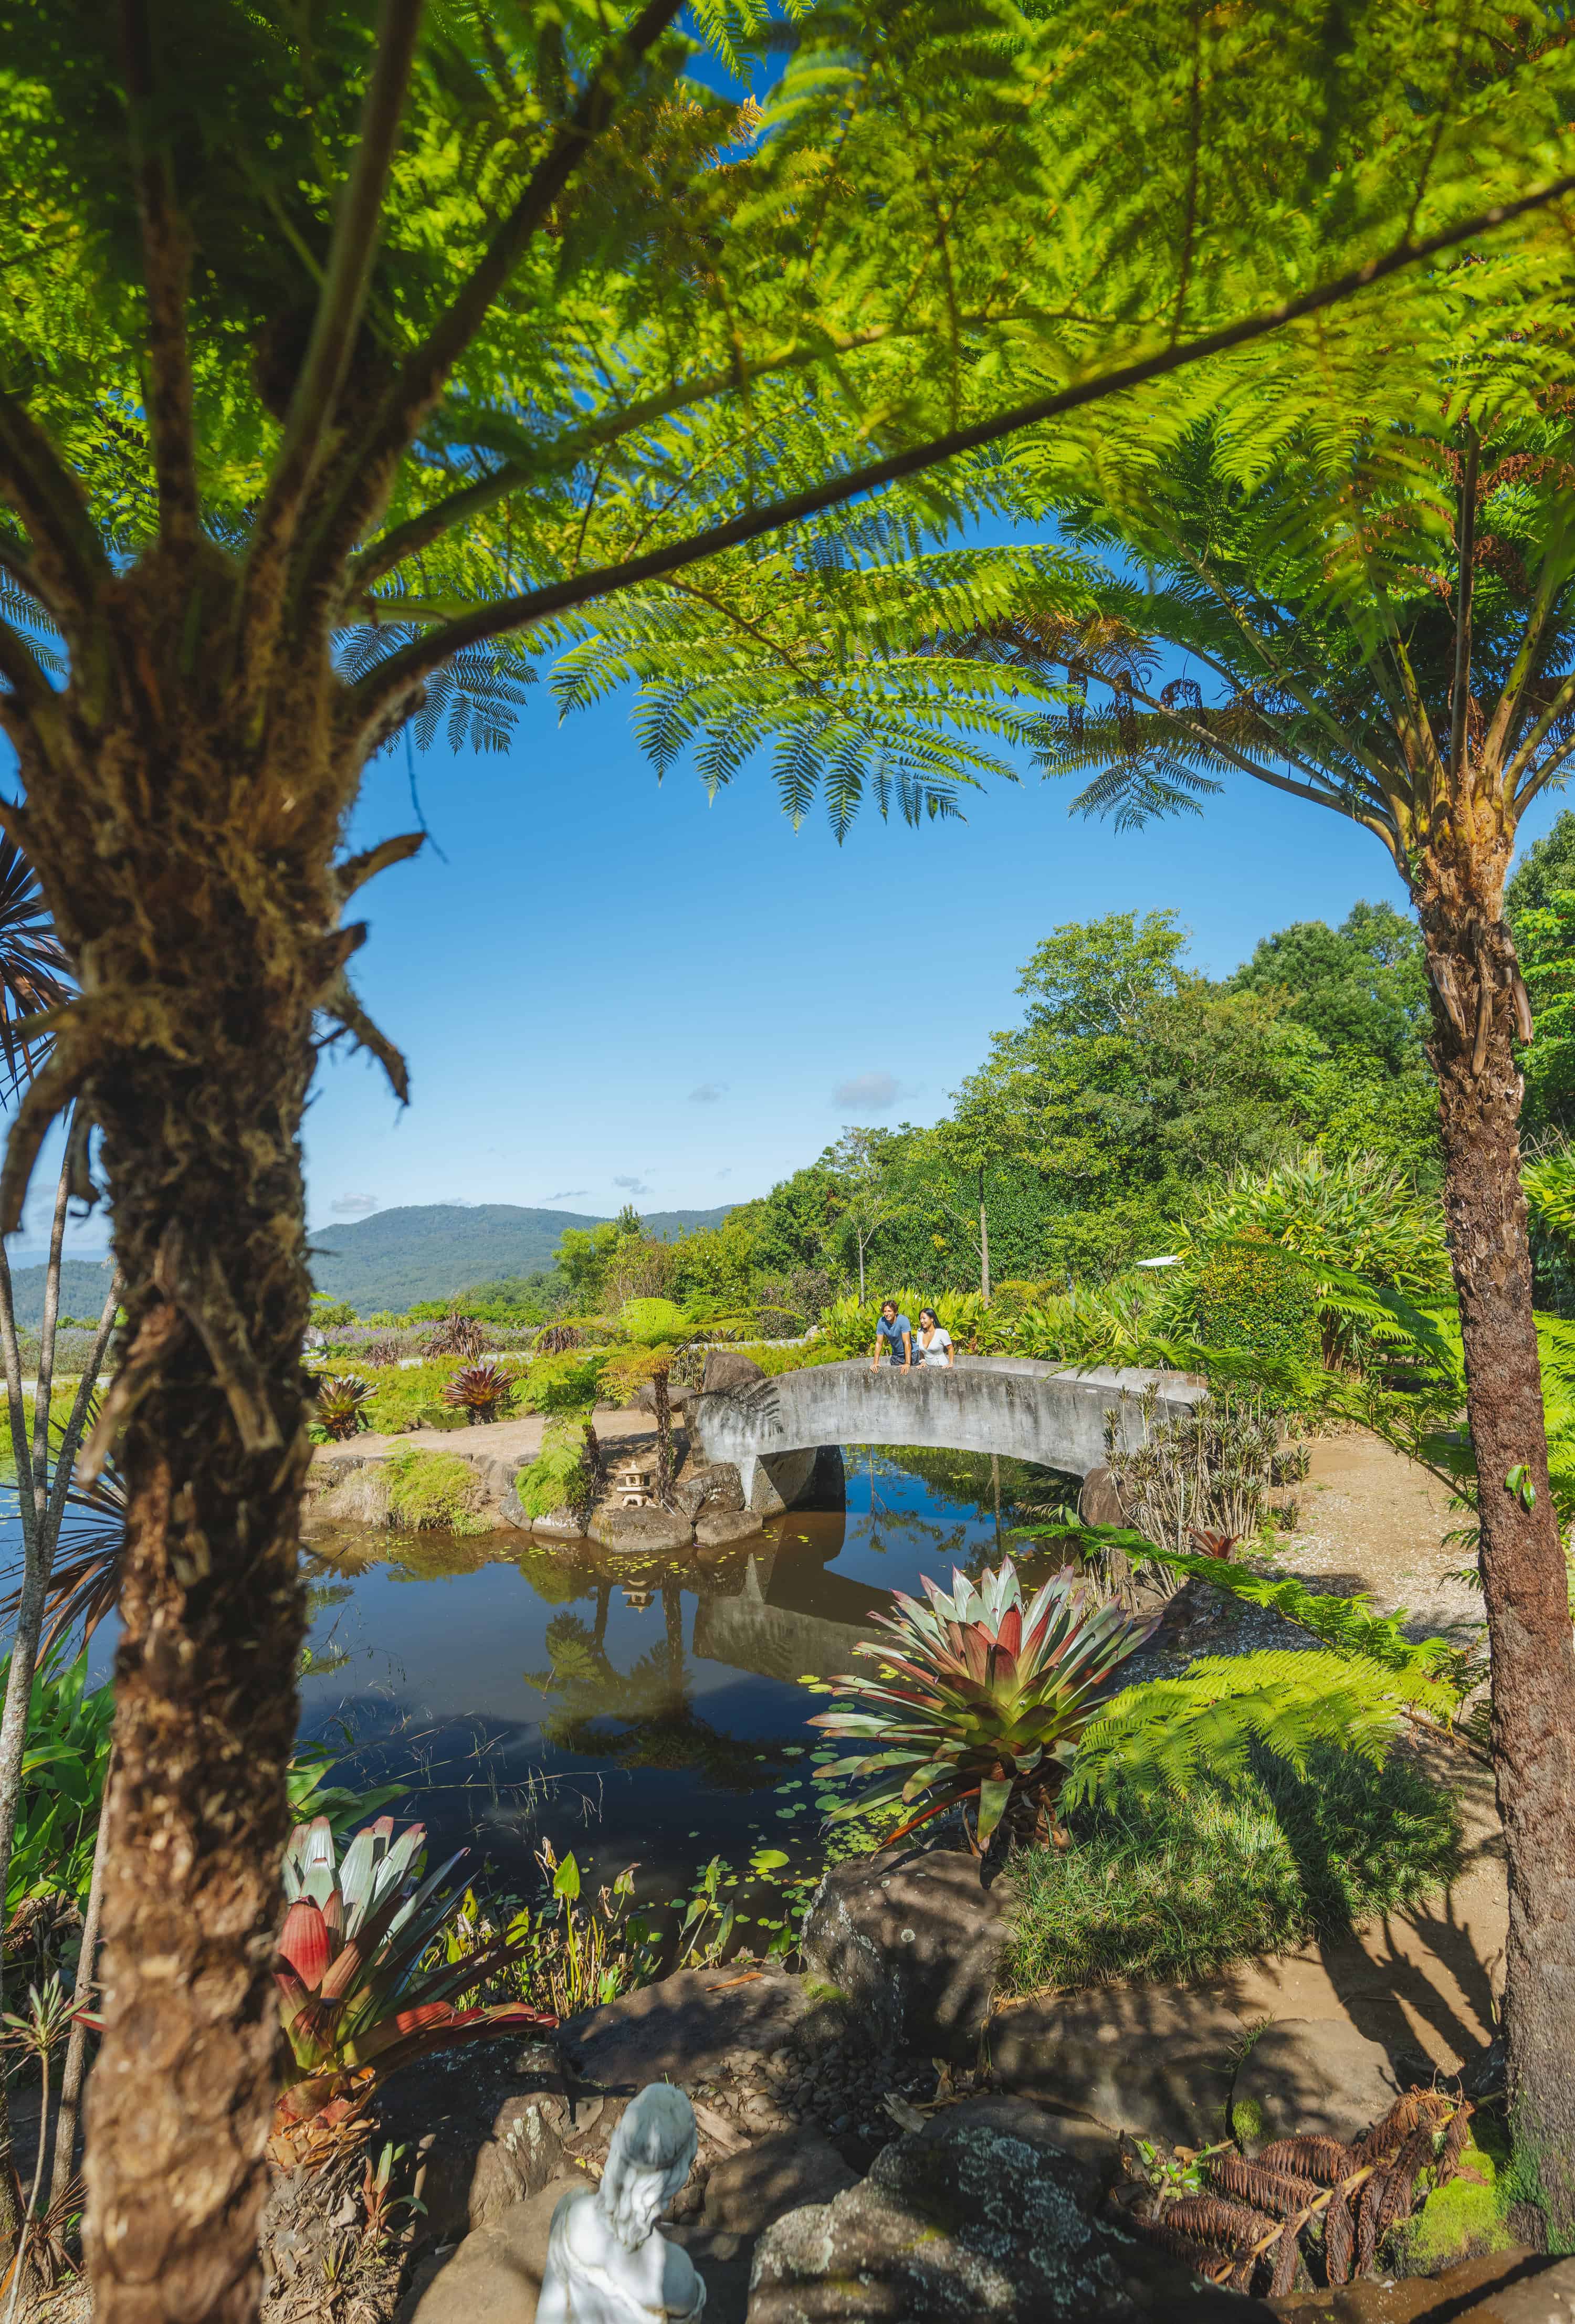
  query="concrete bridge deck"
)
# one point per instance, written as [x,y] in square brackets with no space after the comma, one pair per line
[1008,1404]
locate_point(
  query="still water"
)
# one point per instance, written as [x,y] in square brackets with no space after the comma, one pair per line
[642,1713]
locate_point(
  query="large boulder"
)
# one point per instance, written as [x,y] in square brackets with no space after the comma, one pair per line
[683,2029]
[1310,2077]
[979,2214]
[486,2126]
[1099,1503]
[750,2189]
[650,1531]
[494,2277]
[721,1529]
[712,1491]
[782,1480]
[727,1369]
[914,1939]
[1139,2058]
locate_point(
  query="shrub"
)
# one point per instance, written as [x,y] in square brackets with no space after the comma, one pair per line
[1252,1297]
[563,1383]
[559,1477]
[434,1490]
[366,1980]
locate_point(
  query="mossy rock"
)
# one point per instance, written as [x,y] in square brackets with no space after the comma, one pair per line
[1458,2221]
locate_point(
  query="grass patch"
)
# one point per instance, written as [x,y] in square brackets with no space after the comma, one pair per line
[1178,1888]
[434,1490]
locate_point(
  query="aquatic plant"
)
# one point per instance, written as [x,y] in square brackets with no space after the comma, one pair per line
[483,1392]
[981,1700]
[341,1406]
[366,1982]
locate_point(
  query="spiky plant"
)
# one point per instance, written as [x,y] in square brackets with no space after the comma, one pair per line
[456,1335]
[981,1700]
[357,1996]
[482,1392]
[342,1401]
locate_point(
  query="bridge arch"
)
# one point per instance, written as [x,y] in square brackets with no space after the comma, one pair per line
[1008,1404]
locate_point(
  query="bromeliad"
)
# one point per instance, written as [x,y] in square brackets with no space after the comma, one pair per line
[980,1700]
[358,1995]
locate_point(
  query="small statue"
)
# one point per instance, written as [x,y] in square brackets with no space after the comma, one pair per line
[607,2261]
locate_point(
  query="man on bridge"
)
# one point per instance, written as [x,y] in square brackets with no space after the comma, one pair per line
[898,1333]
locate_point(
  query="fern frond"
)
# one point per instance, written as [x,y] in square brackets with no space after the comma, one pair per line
[1166,1734]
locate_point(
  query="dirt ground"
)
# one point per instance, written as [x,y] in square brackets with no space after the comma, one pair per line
[1370,1520]
[1425,1980]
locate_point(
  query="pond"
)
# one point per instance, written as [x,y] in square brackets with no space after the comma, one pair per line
[649,1714]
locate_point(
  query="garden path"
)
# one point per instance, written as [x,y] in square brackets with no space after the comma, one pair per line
[505,1440]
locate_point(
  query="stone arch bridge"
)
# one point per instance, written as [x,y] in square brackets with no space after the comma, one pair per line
[1008,1405]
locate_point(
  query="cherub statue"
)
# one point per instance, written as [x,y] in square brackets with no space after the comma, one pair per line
[606,2261]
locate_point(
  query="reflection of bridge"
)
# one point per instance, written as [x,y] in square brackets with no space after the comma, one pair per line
[754,1632]
[984,1404]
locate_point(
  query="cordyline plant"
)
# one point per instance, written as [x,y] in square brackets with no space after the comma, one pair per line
[979,1698]
[343,345]
[358,1994]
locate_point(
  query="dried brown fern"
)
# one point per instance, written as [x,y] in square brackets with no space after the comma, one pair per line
[1286,2252]
[1277,2193]
[1414,2156]
[1408,2112]
[1323,2159]
[1371,2202]
[1219,2219]
[1338,2237]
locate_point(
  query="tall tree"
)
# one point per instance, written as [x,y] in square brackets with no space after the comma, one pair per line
[341,348]
[1375,615]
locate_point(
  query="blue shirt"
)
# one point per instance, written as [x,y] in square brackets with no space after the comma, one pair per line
[894,1334]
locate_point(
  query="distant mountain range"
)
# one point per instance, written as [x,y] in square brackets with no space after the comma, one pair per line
[83,1287]
[429,1250]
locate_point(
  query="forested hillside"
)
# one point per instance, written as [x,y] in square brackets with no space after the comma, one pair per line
[422,1251]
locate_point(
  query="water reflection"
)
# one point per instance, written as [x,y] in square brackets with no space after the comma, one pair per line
[632,1707]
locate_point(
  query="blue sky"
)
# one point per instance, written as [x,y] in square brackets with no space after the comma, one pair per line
[612,990]
[615,990]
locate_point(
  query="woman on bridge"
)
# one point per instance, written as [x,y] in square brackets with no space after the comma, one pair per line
[934,1343]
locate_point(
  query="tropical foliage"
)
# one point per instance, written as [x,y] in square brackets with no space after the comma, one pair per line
[342,1401]
[65,1758]
[978,1699]
[483,1392]
[359,1995]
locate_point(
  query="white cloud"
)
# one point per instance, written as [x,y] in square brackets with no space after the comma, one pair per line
[354,1206]
[708,1093]
[868,1092]
[566,1193]
[724,1173]
[632,1186]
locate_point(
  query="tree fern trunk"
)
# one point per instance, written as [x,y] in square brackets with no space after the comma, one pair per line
[1525,1582]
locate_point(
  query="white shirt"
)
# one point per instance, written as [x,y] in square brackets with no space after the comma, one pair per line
[940,1340]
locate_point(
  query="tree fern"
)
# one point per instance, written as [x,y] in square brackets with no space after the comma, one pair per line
[1169,1733]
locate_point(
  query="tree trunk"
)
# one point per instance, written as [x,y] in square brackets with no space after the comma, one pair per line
[1526,1584]
[983,1244]
[185,845]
